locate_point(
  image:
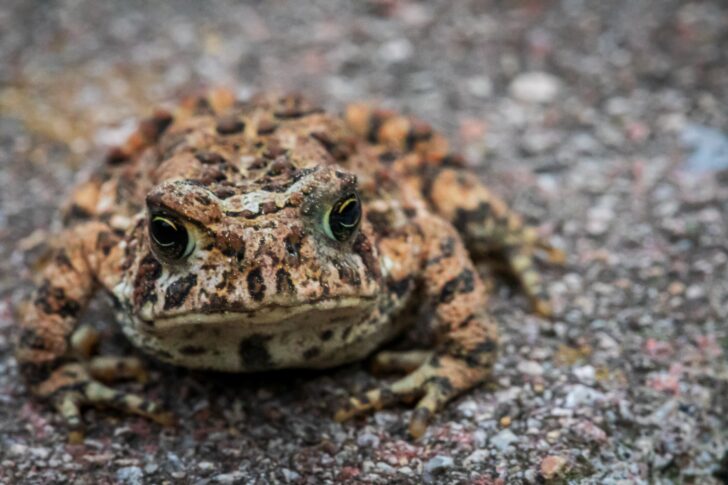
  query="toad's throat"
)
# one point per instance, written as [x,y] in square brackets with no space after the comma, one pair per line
[316,312]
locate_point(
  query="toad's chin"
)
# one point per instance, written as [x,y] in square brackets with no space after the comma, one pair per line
[320,312]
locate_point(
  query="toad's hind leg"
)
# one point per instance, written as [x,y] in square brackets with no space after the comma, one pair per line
[486,224]
[489,228]
[467,336]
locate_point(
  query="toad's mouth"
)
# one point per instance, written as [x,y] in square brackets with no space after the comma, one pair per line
[318,312]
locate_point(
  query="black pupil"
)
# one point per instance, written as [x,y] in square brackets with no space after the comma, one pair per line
[169,237]
[345,217]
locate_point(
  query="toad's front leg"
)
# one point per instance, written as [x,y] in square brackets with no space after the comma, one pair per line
[467,340]
[53,354]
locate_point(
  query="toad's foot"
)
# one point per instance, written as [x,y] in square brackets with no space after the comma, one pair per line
[74,385]
[435,382]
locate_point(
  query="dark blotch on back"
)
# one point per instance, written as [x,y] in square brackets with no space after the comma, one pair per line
[463,217]
[76,213]
[380,222]
[284,283]
[53,300]
[375,122]
[337,150]
[208,157]
[105,241]
[462,283]
[256,284]
[230,125]
[254,353]
[177,291]
[417,134]
[400,287]
[116,156]
[152,128]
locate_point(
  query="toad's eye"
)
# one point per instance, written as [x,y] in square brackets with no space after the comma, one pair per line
[341,221]
[171,239]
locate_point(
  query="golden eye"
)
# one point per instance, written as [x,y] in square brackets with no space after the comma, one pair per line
[170,237]
[342,220]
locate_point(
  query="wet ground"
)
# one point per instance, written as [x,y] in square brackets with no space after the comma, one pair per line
[603,122]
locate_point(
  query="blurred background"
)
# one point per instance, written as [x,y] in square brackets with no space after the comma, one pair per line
[603,122]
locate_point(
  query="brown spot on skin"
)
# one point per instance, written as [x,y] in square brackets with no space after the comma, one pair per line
[274,150]
[337,150]
[363,247]
[210,158]
[266,127]
[216,304]
[347,274]
[418,132]
[256,284]
[29,339]
[447,250]
[453,160]
[268,207]
[401,287]
[326,335]
[76,213]
[116,156]
[443,383]
[375,123]
[105,241]
[462,283]
[284,283]
[231,245]
[429,176]
[293,245]
[178,290]
[62,259]
[466,322]
[53,300]
[230,125]
[295,106]
[311,353]
[388,157]
[279,167]
[192,350]
[202,106]
[380,222]
[34,373]
[254,353]
[223,193]
[152,128]
[464,217]
[482,353]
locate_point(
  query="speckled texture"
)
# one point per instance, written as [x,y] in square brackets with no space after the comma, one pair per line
[629,382]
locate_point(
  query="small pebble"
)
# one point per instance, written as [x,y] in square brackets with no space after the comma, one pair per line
[503,439]
[530,368]
[435,466]
[132,475]
[553,466]
[535,87]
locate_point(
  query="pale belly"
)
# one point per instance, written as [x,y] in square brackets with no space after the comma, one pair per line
[318,339]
